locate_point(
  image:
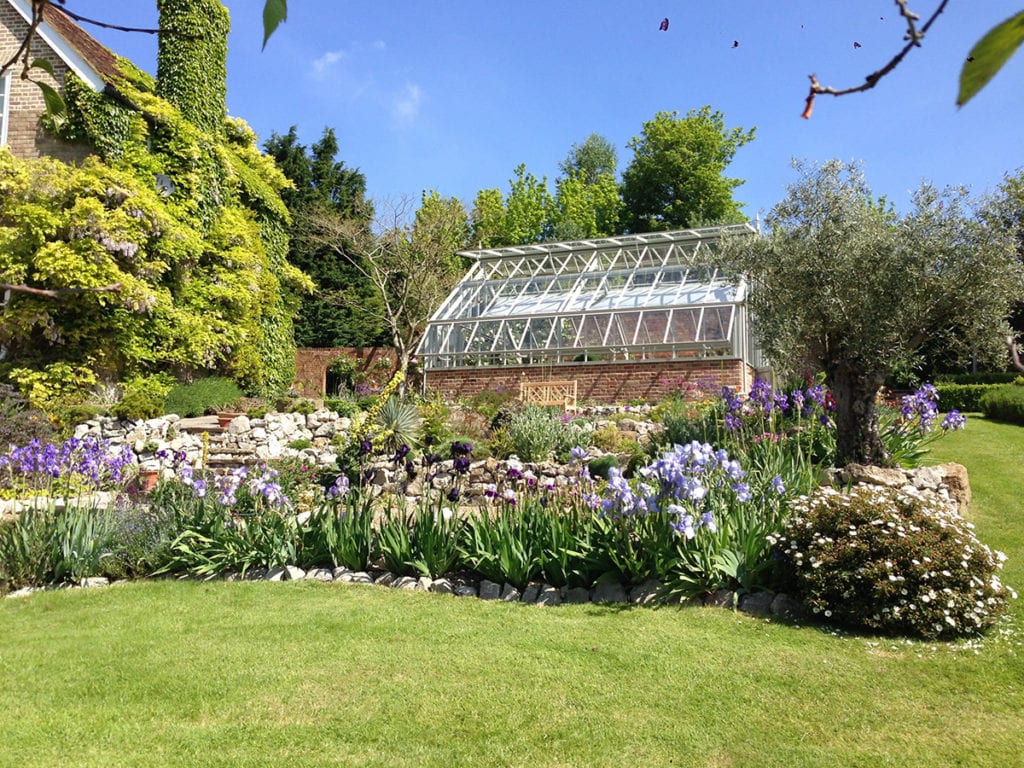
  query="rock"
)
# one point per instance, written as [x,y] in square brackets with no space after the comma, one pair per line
[23,592]
[294,573]
[406,582]
[510,594]
[94,581]
[320,574]
[610,592]
[277,573]
[870,475]
[955,478]
[549,595]
[441,587]
[577,595]
[425,583]
[338,572]
[386,579]
[239,425]
[785,606]
[256,574]
[358,577]
[489,590]
[645,593]
[926,478]
[723,598]
[759,603]
[532,592]
[465,590]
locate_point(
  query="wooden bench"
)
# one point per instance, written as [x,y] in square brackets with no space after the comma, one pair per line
[558,393]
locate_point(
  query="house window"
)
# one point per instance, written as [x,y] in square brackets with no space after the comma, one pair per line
[5,99]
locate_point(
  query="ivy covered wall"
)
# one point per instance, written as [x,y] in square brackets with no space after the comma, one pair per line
[178,208]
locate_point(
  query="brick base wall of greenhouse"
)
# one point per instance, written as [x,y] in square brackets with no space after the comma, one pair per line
[598,383]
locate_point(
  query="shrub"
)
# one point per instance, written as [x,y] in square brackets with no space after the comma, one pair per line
[1005,403]
[962,397]
[600,466]
[300,444]
[19,421]
[976,378]
[880,559]
[301,406]
[490,401]
[536,434]
[201,396]
[342,406]
[143,398]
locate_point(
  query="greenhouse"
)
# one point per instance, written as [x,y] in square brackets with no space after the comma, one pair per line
[637,307]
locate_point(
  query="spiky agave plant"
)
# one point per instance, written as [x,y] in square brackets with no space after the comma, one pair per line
[399,423]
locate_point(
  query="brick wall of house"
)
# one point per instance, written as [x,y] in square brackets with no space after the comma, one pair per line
[311,365]
[25,137]
[597,383]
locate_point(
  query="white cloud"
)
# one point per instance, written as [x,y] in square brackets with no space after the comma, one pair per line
[326,62]
[406,106]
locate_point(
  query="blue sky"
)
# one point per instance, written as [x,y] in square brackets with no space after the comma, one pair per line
[452,95]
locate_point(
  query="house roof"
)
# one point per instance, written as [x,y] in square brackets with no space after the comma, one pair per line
[82,53]
[85,45]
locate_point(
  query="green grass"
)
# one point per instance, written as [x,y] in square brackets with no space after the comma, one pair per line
[306,674]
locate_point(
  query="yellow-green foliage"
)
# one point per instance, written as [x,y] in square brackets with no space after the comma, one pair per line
[205,286]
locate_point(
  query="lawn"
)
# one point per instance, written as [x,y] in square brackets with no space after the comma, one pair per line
[297,674]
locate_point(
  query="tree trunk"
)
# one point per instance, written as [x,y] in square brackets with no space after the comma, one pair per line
[857,434]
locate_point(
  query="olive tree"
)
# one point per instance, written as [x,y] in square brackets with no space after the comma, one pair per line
[842,283]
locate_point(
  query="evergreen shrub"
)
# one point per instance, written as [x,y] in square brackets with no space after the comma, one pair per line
[206,395]
[1005,403]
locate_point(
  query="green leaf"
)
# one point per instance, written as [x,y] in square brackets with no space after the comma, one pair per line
[44,65]
[55,106]
[274,12]
[988,56]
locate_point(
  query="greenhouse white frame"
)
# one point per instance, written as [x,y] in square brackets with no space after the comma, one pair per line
[634,297]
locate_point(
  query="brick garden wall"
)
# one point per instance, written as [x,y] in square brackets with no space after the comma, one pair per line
[311,365]
[25,137]
[597,383]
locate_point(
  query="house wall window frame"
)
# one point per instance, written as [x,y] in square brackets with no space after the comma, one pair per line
[5,106]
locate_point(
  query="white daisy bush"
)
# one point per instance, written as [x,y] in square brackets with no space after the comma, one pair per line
[892,561]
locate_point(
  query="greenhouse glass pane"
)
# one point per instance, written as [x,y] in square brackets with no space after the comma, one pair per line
[653,326]
[717,323]
[684,325]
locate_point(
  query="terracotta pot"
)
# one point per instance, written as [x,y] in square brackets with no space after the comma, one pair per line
[148,479]
[225,418]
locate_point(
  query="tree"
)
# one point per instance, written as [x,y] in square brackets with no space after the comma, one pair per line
[523,217]
[592,159]
[843,284]
[586,209]
[324,186]
[412,267]
[676,178]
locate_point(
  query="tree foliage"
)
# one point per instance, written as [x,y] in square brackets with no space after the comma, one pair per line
[324,186]
[676,178]
[591,160]
[843,284]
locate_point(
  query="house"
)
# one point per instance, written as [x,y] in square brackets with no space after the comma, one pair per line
[68,48]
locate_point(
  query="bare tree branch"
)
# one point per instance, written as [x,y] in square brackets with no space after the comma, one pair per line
[913,38]
[56,293]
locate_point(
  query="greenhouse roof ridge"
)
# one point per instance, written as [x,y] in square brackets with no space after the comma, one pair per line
[619,241]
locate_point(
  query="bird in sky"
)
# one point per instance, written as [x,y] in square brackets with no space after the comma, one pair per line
[664,25]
